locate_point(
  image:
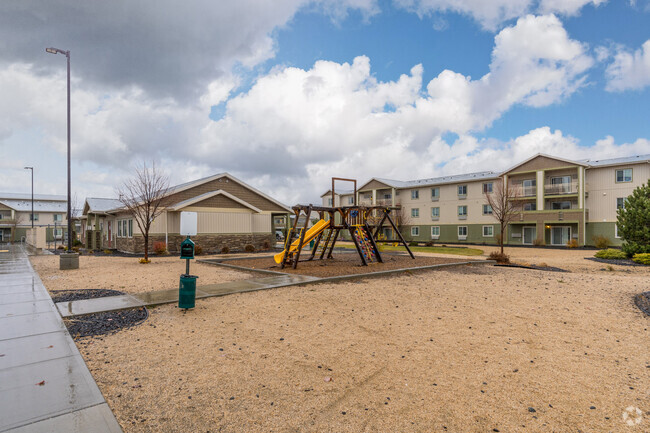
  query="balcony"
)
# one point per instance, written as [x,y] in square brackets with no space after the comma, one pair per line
[561,188]
[524,191]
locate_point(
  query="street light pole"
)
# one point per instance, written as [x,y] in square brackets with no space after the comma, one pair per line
[32,169]
[67,55]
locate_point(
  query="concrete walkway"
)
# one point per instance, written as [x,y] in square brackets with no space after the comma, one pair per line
[45,385]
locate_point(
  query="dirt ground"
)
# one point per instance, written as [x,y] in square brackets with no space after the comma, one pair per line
[468,349]
[127,274]
[348,264]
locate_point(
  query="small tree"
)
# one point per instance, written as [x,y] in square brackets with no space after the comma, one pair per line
[144,195]
[634,222]
[503,204]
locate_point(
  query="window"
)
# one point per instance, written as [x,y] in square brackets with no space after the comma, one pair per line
[435,194]
[462,211]
[487,188]
[462,232]
[58,233]
[130,228]
[462,190]
[488,231]
[329,202]
[624,175]
[435,213]
[119,228]
[415,212]
[350,200]
[435,232]
[530,206]
[529,187]
[388,196]
[620,203]
[560,205]
[33,217]
[487,209]
[415,194]
[415,231]
[58,217]
[616,233]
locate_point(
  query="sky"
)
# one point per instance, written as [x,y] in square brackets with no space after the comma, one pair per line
[286,94]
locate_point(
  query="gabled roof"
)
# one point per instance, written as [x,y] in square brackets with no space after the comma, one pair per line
[192,184]
[617,161]
[388,182]
[337,192]
[567,161]
[207,195]
[101,205]
[39,205]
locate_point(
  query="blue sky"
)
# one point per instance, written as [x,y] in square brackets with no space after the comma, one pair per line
[287,94]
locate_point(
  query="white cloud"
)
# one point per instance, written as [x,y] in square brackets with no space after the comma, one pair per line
[629,71]
[566,7]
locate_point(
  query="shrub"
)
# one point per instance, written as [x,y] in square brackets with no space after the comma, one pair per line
[225,250]
[611,254]
[573,243]
[108,252]
[413,244]
[634,222]
[601,242]
[77,243]
[249,248]
[538,242]
[500,258]
[642,258]
[266,245]
[60,247]
[159,248]
[144,261]
[198,249]
[429,244]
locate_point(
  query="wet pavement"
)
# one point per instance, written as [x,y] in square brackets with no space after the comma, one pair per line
[45,385]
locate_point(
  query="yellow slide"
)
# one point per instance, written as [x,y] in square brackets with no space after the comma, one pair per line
[314,231]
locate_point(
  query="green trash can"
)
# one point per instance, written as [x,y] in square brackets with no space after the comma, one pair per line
[187,291]
[311,244]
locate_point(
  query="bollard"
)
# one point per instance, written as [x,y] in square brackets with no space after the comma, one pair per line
[187,291]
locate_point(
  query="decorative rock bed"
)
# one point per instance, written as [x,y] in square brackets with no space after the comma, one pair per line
[100,323]
[642,300]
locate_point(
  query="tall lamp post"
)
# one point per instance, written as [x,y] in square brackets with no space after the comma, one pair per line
[32,169]
[72,265]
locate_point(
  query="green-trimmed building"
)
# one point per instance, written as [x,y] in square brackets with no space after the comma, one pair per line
[560,200]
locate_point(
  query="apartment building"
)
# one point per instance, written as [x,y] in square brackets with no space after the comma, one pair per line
[50,217]
[560,201]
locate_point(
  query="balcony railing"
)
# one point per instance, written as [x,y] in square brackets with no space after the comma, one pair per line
[524,191]
[561,188]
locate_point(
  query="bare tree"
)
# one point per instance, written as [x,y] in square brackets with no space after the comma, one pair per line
[503,204]
[18,220]
[144,195]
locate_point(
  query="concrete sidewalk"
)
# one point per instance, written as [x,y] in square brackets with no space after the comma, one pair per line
[45,385]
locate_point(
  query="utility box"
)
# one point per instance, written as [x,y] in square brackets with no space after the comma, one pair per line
[187,249]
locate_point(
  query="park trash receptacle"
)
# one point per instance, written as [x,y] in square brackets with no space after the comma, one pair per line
[311,244]
[187,291]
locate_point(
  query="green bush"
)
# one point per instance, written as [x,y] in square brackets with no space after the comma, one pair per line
[413,244]
[601,242]
[611,254]
[642,258]
[634,222]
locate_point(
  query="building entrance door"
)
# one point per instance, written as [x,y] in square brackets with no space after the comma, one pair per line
[530,233]
[560,235]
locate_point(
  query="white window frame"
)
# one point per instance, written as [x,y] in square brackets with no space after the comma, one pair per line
[415,231]
[435,235]
[487,206]
[491,234]
[616,234]
[350,200]
[415,194]
[622,206]
[485,188]
[437,216]
[460,236]
[58,233]
[130,228]
[58,217]
[415,212]
[435,194]
[463,214]
[34,216]
[462,191]
[622,171]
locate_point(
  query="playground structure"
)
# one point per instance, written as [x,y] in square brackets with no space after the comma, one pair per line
[363,223]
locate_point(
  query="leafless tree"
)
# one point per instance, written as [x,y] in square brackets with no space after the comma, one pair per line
[18,220]
[504,206]
[144,195]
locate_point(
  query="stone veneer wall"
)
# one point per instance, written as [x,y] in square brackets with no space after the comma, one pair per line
[211,243]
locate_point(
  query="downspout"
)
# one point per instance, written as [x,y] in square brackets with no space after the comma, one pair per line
[166,231]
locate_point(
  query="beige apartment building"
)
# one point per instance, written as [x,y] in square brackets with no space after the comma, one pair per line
[50,219]
[560,201]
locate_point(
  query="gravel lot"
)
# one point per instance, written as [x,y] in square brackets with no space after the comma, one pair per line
[468,349]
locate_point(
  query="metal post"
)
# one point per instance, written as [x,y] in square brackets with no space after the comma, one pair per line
[67,54]
[32,217]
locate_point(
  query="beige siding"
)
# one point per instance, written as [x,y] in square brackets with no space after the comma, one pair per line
[539,163]
[603,189]
[261,223]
